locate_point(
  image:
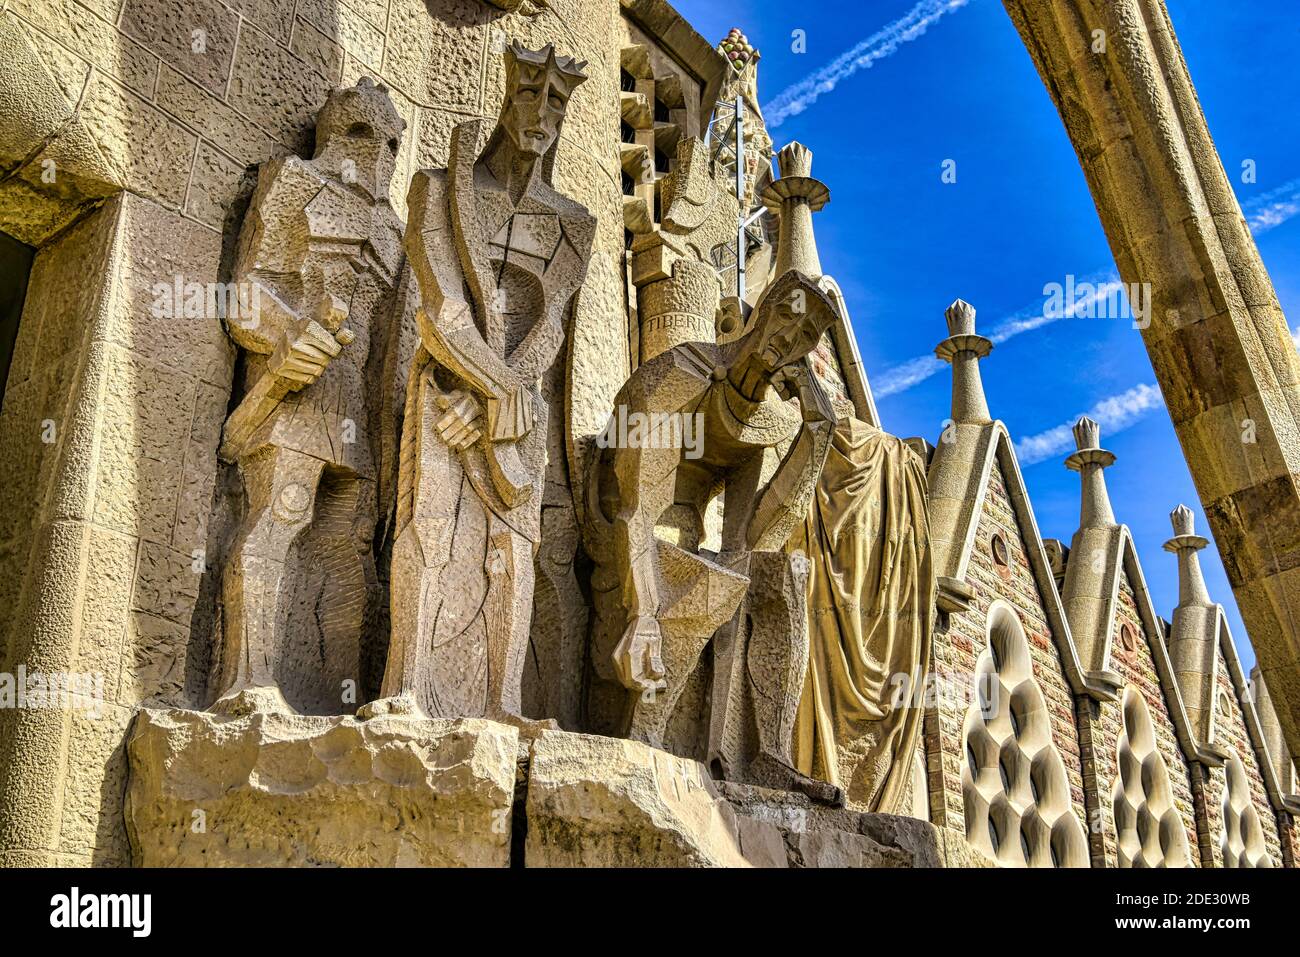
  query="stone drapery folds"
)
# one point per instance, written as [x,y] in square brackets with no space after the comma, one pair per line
[871,593]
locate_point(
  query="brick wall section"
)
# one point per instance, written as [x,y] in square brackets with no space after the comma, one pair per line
[1232,733]
[1137,668]
[826,366]
[959,645]
[1097,809]
[1289,832]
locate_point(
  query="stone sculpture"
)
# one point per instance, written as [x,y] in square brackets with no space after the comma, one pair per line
[316,268]
[658,596]
[673,268]
[499,255]
[871,594]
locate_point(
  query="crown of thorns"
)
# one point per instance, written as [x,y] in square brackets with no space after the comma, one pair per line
[565,67]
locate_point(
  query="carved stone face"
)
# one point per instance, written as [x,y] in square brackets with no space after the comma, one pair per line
[360,130]
[797,315]
[535,107]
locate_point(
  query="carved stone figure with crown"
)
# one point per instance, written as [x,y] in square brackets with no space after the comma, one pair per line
[499,255]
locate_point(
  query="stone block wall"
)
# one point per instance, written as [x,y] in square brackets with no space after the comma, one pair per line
[152,117]
[107,528]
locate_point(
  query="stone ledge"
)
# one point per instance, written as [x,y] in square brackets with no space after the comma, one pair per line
[300,791]
[291,790]
[604,802]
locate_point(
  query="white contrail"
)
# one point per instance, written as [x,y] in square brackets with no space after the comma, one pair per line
[1114,414]
[881,44]
[1263,212]
[905,375]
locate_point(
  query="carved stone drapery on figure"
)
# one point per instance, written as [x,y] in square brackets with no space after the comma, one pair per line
[316,269]
[871,597]
[658,598]
[499,255]
[871,593]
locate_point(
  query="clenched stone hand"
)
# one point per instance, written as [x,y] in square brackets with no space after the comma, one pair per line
[457,426]
[638,657]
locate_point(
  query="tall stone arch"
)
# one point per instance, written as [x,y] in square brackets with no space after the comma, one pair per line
[1217,338]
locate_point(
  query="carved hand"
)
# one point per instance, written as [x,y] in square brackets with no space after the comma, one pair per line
[303,353]
[638,658]
[458,426]
[797,381]
[511,416]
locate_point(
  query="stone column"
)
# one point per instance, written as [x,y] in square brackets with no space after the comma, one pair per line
[1216,335]
[795,197]
[678,309]
[964,348]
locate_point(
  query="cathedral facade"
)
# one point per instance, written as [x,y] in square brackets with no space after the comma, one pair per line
[352,509]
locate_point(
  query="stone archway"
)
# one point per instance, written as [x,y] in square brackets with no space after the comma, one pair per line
[1217,338]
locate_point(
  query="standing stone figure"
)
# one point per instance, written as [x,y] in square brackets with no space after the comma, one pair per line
[871,594]
[316,269]
[499,255]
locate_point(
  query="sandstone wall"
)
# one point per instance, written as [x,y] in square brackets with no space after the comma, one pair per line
[153,115]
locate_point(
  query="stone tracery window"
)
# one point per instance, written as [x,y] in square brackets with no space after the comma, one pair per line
[1149,828]
[1242,843]
[1016,791]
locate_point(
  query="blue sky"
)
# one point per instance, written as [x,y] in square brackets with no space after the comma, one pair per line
[903,244]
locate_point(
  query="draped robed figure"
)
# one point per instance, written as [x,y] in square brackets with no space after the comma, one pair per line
[871,594]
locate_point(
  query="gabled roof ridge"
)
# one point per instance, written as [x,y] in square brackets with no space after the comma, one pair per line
[991,441]
[965,464]
[1277,798]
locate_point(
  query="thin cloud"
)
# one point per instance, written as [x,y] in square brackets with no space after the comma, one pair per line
[793,100]
[1272,209]
[912,372]
[1114,414]
[1264,212]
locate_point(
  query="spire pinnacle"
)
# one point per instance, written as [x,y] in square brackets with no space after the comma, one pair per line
[794,198]
[1090,460]
[964,348]
[1186,544]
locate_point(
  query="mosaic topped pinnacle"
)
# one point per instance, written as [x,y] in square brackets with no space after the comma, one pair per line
[735,46]
[795,160]
[961,318]
[1087,434]
[796,182]
[962,337]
